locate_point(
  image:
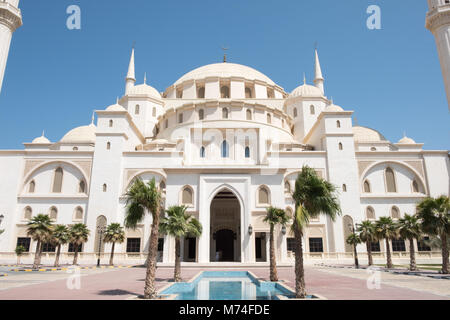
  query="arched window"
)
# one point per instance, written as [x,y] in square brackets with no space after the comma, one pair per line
[390,180]
[111,123]
[344,187]
[105,188]
[373,149]
[154,112]
[249,114]
[287,187]
[225,113]
[395,213]
[263,196]
[201,114]
[295,113]
[57,180]
[187,196]
[82,187]
[53,213]
[367,186]
[225,149]
[78,214]
[312,109]
[415,187]
[202,152]
[248,93]
[180,118]
[341,147]
[225,92]
[32,187]
[137,109]
[201,93]
[370,213]
[270,93]
[27,213]
[108,146]
[338,124]
[269,118]
[247,152]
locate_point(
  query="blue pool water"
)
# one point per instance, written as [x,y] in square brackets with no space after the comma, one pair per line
[229,285]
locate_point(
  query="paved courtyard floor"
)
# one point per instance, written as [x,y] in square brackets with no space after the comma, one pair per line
[120,284]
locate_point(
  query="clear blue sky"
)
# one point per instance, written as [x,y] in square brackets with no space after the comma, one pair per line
[391,77]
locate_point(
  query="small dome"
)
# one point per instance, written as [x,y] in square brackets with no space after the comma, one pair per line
[406,140]
[145,89]
[84,134]
[363,134]
[41,140]
[333,108]
[306,90]
[115,107]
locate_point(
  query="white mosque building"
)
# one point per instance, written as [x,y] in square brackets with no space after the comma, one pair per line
[228,142]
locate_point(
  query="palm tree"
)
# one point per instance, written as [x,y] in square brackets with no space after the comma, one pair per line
[354,239]
[409,228]
[434,215]
[39,229]
[19,252]
[79,234]
[1,231]
[274,217]
[387,230]
[179,224]
[145,198]
[114,233]
[313,196]
[367,234]
[60,236]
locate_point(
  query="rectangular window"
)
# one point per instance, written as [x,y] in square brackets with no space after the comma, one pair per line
[24,242]
[422,246]
[161,244]
[375,246]
[133,244]
[72,247]
[315,245]
[48,247]
[290,244]
[398,245]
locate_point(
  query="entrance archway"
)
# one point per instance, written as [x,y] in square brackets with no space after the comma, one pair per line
[225,222]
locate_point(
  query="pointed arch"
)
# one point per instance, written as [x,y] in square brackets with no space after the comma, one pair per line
[57,180]
[32,187]
[367,188]
[187,196]
[370,213]
[391,186]
[395,213]
[263,196]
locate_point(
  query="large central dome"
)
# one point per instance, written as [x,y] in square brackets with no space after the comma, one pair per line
[225,70]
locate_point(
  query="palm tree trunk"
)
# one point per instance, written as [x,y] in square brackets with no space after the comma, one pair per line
[388,255]
[75,256]
[445,261]
[36,255]
[300,289]
[273,262]
[369,253]
[412,255]
[356,256]
[177,272]
[58,252]
[111,258]
[150,290]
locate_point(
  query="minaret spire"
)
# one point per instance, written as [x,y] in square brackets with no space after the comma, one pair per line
[131,75]
[318,79]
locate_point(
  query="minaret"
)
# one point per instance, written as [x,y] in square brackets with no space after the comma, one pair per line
[318,78]
[130,80]
[438,22]
[10,20]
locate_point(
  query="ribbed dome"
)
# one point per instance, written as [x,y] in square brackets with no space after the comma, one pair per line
[306,90]
[363,134]
[225,70]
[145,89]
[406,140]
[84,134]
[115,107]
[41,140]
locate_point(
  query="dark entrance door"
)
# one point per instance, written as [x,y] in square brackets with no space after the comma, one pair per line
[192,248]
[258,250]
[225,245]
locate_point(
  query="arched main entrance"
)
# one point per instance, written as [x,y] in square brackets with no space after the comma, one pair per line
[225,243]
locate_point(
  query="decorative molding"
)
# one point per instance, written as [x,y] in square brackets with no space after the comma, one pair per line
[10,16]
